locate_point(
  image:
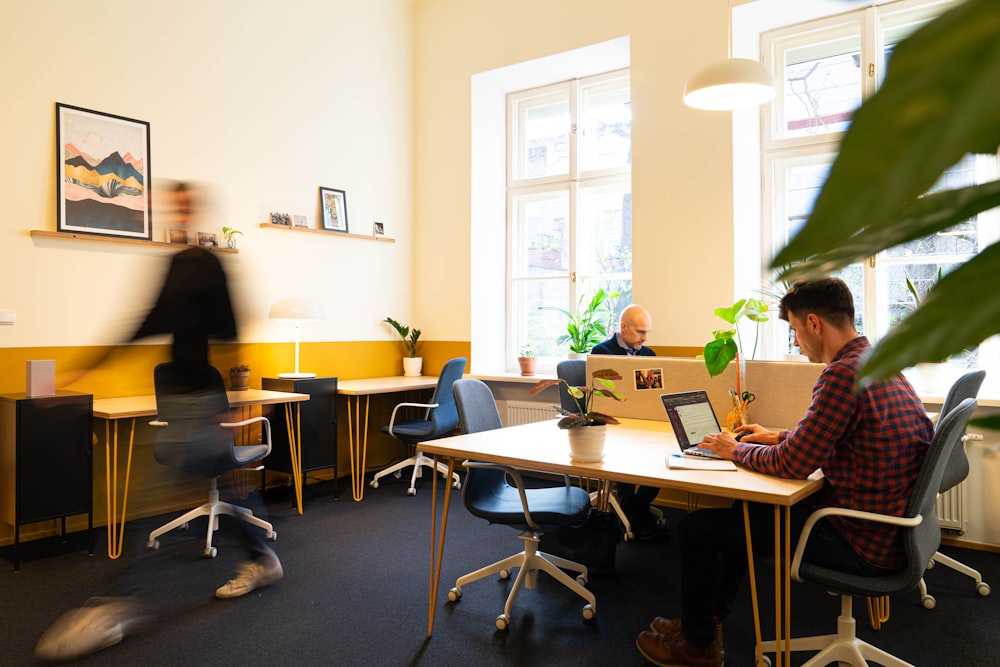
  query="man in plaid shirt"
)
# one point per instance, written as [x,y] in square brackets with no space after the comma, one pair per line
[869,443]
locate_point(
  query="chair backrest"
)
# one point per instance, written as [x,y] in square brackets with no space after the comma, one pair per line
[477,409]
[923,540]
[965,387]
[444,418]
[574,373]
[192,401]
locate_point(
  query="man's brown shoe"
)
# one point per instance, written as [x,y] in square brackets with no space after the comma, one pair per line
[671,626]
[666,651]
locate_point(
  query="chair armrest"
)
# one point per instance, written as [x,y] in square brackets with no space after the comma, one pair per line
[392,418]
[800,548]
[265,428]
[515,475]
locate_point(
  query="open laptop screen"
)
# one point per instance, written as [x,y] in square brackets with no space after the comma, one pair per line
[691,416]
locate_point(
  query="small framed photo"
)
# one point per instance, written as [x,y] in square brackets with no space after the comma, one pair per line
[177,236]
[280,219]
[378,229]
[300,221]
[207,240]
[334,206]
[648,378]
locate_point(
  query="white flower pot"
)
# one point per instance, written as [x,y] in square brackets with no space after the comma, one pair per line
[412,366]
[586,443]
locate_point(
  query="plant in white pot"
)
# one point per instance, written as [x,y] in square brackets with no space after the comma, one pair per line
[412,364]
[585,427]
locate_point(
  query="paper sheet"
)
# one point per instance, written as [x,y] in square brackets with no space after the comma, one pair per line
[682,462]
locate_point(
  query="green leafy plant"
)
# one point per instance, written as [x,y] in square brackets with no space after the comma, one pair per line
[408,335]
[239,368]
[527,351]
[726,344]
[230,234]
[589,325]
[912,288]
[601,384]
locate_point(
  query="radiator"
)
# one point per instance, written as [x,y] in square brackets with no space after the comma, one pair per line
[951,508]
[526,412]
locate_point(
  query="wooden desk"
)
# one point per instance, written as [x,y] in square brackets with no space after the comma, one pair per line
[634,453]
[113,410]
[357,432]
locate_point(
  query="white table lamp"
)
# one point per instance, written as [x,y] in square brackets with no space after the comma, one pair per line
[297,310]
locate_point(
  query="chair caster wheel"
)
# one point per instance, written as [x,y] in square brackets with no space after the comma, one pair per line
[628,536]
[373,483]
[581,579]
[397,474]
[928,601]
[983,588]
[503,622]
[589,612]
[455,594]
[153,544]
[210,552]
[456,484]
[765,661]
[411,491]
[504,574]
[273,536]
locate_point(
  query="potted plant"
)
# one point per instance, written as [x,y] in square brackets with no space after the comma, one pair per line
[727,344]
[412,364]
[586,428]
[239,377]
[589,325]
[527,360]
[229,235]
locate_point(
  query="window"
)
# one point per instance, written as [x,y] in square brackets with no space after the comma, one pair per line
[569,213]
[827,67]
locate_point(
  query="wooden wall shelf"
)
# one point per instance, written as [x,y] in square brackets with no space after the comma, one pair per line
[38,233]
[367,237]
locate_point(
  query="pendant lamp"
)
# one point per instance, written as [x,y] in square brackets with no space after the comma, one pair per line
[736,83]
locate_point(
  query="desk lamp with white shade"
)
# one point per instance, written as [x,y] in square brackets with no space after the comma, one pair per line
[297,310]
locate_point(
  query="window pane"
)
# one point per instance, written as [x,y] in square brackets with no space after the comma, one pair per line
[606,121]
[542,138]
[803,183]
[822,86]
[604,236]
[542,235]
[535,327]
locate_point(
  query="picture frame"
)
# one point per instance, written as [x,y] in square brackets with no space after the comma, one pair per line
[333,203]
[281,219]
[177,236]
[300,221]
[102,163]
[207,240]
[378,229]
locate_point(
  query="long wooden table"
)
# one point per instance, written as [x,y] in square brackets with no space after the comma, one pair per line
[357,430]
[113,410]
[634,454]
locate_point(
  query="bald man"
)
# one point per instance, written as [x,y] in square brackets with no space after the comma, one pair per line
[634,327]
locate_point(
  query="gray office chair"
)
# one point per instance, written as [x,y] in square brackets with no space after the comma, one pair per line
[574,373]
[192,437]
[488,494]
[955,472]
[440,419]
[921,536]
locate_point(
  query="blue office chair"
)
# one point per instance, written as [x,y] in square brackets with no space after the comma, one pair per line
[921,536]
[489,495]
[955,473]
[440,419]
[193,435]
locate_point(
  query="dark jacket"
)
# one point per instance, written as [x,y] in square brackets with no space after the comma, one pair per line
[611,346]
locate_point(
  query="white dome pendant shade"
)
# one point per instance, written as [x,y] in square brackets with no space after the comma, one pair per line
[737,83]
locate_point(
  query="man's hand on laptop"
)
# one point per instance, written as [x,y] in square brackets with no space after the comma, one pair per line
[756,434]
[725,443]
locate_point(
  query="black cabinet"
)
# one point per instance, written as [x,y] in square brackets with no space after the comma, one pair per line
[319,425]
[45,460]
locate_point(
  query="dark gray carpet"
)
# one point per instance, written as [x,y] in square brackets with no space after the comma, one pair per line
[355,593]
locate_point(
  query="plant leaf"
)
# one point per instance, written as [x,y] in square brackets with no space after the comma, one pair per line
[542,385]
[607,374]
[599,416]
[991,422]
[718,353]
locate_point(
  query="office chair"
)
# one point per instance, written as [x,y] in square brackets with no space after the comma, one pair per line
[192,437]
[921,536]
[955,472]
[574,373]
[489,495]
[439,420]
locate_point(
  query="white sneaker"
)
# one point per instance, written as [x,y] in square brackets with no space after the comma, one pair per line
[251,575]
[80,632]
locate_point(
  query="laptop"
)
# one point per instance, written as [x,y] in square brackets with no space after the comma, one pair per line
[692,418]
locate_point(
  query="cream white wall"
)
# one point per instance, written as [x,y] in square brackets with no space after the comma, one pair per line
[264,100]
[682,159]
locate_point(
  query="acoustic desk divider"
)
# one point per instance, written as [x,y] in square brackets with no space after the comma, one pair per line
[782,389]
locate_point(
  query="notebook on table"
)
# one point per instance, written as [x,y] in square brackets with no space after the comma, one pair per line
[692,418]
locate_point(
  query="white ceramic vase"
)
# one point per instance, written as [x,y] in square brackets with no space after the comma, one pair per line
[412,366]
[586,443]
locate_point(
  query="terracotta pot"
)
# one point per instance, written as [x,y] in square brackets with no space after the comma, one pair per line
[586,443]
[527,365]
[238,381]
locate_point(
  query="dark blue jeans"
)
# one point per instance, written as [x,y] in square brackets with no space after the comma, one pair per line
[714,559]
